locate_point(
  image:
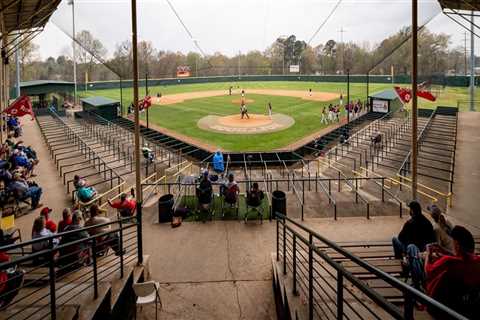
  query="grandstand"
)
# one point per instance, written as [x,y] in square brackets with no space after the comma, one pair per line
[320,234]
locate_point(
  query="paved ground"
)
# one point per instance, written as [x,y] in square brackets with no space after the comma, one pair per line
[221,270]
[467,171]
[54,192]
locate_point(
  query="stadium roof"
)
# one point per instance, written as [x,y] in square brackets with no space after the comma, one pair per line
[43,82]
[466,5]
[99,101]
[25,18]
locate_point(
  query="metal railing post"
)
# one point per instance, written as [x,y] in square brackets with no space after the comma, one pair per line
[278,237]
[310,277]
[94,266]
[294,291]
[284,248]
[52,279]
[339,295]
[139,233]
[120,246]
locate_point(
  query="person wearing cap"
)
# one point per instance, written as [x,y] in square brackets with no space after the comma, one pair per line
[454,280]
[442,228]
[126,206]
[73,256]
[66,221]
[49,224]
[416,233]
[108,240]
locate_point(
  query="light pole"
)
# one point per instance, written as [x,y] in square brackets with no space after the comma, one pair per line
[72,3]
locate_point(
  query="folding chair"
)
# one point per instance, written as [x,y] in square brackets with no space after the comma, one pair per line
[210,212]
[230,205]
[147,293]
[10,232]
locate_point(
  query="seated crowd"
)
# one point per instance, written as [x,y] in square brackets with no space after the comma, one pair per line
[71,257]
[441,260]
[17,164]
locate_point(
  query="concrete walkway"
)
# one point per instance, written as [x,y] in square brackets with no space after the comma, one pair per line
[466,202]
[54,192]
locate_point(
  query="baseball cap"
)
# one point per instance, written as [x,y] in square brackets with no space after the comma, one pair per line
[45,211]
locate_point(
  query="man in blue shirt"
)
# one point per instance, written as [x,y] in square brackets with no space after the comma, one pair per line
[218,164]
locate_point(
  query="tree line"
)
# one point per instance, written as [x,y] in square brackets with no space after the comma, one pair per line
[436,56]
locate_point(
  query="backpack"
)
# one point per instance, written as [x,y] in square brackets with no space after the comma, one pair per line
[85,194]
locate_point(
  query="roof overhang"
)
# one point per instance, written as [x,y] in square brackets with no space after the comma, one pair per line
[22,20]
[463,5]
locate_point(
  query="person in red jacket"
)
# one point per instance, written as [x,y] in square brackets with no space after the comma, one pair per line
[454,280]
[125,206]
[11,280]
[49,224]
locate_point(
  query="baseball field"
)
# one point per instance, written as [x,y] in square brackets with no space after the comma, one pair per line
[182,109]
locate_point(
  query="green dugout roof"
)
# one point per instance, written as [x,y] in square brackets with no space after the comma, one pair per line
[388,94]
[99,101]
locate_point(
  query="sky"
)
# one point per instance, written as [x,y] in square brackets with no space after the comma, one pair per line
[232,26]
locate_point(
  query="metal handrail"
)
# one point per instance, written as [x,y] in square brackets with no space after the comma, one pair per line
[394,311]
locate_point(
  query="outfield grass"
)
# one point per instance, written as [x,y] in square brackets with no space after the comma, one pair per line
[183,117]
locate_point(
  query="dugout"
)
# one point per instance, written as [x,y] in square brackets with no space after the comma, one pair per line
[104,107]
[45,93]
[384,101]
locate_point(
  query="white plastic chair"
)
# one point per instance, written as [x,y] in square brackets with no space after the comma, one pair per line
[147,293]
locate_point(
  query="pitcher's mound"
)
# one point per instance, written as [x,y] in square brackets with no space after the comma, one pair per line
[239,101]
[234,124]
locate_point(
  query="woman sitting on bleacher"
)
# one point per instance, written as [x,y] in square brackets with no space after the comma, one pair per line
[74,256]
[85,193]
[40,231]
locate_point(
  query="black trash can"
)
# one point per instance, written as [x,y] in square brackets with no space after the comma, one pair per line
[165,208]
[279,203]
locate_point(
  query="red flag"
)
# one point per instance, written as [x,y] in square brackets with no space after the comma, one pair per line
[145,103]
[426,95]
[405,95]
[20,107]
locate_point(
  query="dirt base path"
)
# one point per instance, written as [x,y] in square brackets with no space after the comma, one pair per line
[303,94]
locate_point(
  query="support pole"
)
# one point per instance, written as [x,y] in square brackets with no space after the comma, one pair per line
[472,63]
[414,96]
[17,73]
[138,187]
[368,89]
[74,54]
[348,95]
[146,94]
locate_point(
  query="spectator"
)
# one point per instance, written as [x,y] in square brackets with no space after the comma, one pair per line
[254,196]
[49,224]
[109,240]
[66,221]
[204,192]
[11,280]
[231,190]
[148,154]
[40,231]
[126,206]
[20,159]
[75,255]
[23,190]
[454,280]
[85,193]
[442,228]
[218,163]
[416,233]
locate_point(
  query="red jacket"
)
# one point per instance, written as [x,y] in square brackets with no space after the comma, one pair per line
[129,204]
[3,275]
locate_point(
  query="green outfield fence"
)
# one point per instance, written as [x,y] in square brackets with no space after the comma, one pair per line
[453,81]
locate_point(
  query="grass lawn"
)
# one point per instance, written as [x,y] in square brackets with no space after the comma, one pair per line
[183,117]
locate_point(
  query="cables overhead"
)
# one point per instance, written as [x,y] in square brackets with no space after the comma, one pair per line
[195,41]
[325,21]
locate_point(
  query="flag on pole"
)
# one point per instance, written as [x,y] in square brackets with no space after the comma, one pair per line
[20,107]
[405,95]
[145,103]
